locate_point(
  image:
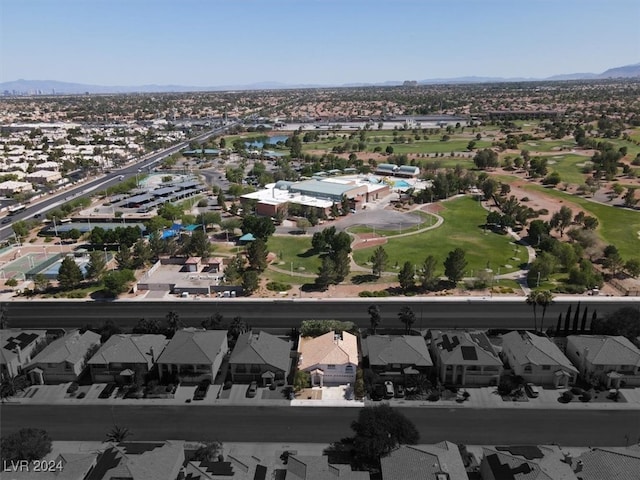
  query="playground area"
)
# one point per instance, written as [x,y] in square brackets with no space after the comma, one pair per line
[25,262]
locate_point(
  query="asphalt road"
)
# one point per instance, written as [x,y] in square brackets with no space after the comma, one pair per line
[270,314]
[104,181]
[325,425]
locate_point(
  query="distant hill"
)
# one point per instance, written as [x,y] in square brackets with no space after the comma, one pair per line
[48,87]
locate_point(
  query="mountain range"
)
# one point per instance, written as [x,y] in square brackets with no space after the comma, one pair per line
[46,87]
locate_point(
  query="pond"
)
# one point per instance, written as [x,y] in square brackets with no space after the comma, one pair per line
[270,141]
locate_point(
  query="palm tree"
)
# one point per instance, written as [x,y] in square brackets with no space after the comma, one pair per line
[407,317]
[9,387]
[532,300]
[544,299]
[118,434]
[173,322]
[375,318]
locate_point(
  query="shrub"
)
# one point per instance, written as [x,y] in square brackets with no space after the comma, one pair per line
[81,395]
[567,396]
[585,397]
[12,282]
[577,391]
[434,396]
[278,286]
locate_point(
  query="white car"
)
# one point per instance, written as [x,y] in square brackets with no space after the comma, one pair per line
[531,390]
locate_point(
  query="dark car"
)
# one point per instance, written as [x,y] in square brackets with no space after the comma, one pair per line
[6,220]
[378,392]
[201,390]
[399,391]
[107,391]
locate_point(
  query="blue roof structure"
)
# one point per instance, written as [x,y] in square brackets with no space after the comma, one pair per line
[247,237]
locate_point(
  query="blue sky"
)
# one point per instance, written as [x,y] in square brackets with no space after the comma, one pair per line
[234,42]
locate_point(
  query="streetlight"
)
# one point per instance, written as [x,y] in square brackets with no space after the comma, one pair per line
[106,260]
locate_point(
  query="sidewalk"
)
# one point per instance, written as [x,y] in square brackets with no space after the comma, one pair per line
[483,397]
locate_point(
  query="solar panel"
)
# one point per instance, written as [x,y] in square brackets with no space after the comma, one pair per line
[469,353]
[449,343]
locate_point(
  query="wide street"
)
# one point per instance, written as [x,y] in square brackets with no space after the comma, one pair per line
[324,425]
[430,313]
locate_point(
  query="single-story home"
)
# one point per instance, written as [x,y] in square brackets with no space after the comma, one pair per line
[124,358]
[537,359]
[63,360]
[193,355]
[330,359]
[262,357]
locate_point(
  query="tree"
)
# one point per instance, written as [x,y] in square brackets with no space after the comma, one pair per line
[302,224]
[378,431]
[233,271]
[345,206]
[116,281]
[173,322]
[238,327]
[118,434]
[532,299]
[141,253]
[632,267]
[198,245]
[97,265]
[301,380]
[10,386]
[208,452]
[250,281]
[326,273]
[407,317]
[625,321]
[148,326]
[342,265]
[69,274]
[374,317]
[124,259]
[257,255]
[260,227]
[214,322]
[26,444]
[455,265]
[561,219]
[486,158]
[428,277]
[406,277]
[629,198]
[544,299]
[379,261]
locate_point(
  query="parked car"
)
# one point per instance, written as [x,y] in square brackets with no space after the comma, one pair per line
[378,392]
[107,391]
[201,390]
[388,389]
[252,390]
[531,390]
[399,391]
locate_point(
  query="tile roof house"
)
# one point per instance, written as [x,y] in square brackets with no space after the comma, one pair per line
[123,358]
[441,461]
[331,358]
[63,360]
[193,355]
[318,468]
[465,358]
[608,464]
[16,349]
[612,360]
[527,462]
[397,355]
[262,357]
[537,359]
[140,461]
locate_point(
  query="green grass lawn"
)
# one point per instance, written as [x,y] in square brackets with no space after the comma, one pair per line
[544,145]
[617,226]
[567,167]
[463,220]
[295,252]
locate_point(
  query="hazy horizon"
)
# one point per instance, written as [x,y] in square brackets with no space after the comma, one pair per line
[201,43]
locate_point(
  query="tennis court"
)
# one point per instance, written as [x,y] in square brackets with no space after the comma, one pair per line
[19,264]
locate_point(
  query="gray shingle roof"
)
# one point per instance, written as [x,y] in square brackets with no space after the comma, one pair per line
[423,462]
[70,348]
[610,464]
[261,349]
[195,347]
[383,350]
[528,348]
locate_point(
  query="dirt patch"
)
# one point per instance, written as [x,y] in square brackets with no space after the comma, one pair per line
[371,241]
